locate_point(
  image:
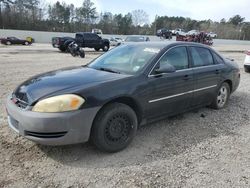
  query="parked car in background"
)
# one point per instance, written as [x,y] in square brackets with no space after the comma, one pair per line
[106,100]
[62,43]
[119,39]
[193,32]
[137,38]
[14,40]
[164,33]
[247,61]
[114,42]
[179,31]
[212,35]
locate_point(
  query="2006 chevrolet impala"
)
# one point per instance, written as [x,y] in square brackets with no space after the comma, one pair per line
[130,85]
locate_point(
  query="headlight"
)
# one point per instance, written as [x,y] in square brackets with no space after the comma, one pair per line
[61,103]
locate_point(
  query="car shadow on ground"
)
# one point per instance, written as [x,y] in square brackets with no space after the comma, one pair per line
[160,140]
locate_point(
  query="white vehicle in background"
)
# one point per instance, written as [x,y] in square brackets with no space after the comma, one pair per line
[97,31]
[119,39]
[193,32]
[179,31]
[212,35]
[247,62]
[114,41]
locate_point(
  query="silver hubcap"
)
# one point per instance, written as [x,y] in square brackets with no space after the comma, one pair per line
[222,96]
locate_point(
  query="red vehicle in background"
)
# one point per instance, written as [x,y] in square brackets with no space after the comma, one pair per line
[14,40]
[201,37]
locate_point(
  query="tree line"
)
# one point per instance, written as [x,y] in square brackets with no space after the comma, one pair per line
[62,17]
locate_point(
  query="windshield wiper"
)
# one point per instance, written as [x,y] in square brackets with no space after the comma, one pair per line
[108,70]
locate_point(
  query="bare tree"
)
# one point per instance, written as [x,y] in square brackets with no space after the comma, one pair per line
[5,3]
[139,17]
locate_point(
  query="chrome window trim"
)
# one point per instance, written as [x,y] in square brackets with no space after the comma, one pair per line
[190,68]
[180,94]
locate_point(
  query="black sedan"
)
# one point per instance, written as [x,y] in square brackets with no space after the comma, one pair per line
[131,85]
[14,40]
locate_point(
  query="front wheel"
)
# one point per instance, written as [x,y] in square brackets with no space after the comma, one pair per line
[114,127]
[26,43]
[222,96]
[105,48]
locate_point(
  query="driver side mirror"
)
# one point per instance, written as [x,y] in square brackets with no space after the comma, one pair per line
[165,68]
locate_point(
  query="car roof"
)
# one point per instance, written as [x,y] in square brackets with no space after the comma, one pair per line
[164,44]
[85,33]
[136,36]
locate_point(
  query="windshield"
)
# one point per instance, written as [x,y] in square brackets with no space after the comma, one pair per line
[134,39]
[127,59]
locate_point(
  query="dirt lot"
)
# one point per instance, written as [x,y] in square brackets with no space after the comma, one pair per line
[204,148]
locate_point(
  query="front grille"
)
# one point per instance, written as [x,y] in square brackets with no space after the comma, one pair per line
[45,135]
[21,96]
[20,100]
[21,104]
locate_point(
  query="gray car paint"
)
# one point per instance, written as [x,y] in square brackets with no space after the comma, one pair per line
[77,124]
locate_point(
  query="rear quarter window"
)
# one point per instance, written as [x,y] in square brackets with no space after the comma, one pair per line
[218,59]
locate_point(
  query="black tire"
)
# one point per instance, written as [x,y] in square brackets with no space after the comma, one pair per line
[97,49]
[247,69]
[105,48]
[222,96]
[62,48]
[81,53]
[114,127]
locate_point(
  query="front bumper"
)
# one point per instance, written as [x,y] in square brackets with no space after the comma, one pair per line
[51,128]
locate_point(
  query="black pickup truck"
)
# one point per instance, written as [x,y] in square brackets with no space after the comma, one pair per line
[84,40]
[62,42]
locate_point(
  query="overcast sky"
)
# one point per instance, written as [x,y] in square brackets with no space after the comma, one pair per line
[195,9]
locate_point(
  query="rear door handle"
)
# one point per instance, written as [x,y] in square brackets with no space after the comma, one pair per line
[217,71]
[186,77]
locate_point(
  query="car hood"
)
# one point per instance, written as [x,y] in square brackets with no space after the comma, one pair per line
[48,83]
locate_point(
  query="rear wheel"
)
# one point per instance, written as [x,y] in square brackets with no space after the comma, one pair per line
[247,69]
[81,53]
[62,49]
[8,43]
[222,96]
[114,127]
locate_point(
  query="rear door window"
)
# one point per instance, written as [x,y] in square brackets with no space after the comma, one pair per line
[201,56]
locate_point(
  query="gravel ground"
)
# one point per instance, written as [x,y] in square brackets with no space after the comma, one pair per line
[203,148]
